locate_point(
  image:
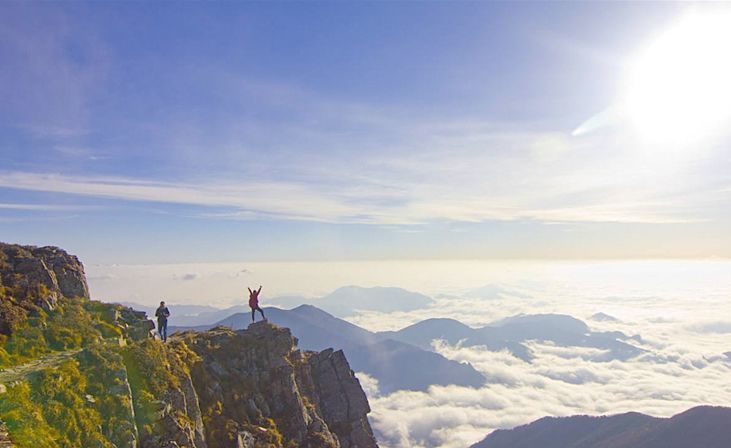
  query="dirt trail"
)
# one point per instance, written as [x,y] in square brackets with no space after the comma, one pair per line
[19,372]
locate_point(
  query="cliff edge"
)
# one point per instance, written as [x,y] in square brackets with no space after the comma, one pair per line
[75,372]
[255,385]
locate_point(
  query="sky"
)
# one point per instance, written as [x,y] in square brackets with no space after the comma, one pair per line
[139,133]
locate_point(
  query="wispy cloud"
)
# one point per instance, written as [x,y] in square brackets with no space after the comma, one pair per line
[287,200]
[24,219]
[46,207]
[271,149]
[376,201]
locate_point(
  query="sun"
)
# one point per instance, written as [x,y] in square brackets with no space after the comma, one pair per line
[678,89]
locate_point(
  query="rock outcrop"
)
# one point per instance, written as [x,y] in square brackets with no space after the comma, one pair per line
[36,277]
[340,398]
[5,441]
[61,273]
[256,387]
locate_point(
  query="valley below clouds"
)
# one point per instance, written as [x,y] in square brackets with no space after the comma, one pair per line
[677,314]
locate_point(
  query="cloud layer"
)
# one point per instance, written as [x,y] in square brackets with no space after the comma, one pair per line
[683,365]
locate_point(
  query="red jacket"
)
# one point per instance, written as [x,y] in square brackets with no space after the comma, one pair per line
[254,299]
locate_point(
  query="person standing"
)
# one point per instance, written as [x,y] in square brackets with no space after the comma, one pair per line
[162,313]
[254,303]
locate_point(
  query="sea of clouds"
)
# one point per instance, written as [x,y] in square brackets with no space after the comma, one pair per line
[679,311]
[682,318]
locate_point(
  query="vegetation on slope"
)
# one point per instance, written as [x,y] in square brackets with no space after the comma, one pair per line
[77,323]
[85,401]
[82,402]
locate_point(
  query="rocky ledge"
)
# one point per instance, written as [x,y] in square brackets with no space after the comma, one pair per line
[255,388]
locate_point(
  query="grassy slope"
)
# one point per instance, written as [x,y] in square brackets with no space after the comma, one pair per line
[85,401]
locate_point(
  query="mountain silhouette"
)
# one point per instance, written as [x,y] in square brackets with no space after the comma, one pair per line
[603,317]
[348,300]
[699,427]
[511,334]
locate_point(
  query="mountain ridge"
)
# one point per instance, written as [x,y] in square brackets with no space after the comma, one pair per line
[513,332]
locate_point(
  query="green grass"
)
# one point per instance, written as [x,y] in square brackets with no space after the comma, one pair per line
[85,401]
[51,410]
[75,323]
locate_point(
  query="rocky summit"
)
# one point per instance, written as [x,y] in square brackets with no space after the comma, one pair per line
[258,376]
[79,373]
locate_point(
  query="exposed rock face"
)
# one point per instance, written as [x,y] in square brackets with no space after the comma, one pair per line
[69,272]
[36,277]
[174,431]
[50,266]
[342,401]
[256,388]
[133,323]
[5,441]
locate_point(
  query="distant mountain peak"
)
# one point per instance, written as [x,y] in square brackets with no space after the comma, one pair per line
[603,317]
[348,300]
[306,308]
[702,426]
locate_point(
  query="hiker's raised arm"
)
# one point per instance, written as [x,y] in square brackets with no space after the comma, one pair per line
[259,289]
[249,290]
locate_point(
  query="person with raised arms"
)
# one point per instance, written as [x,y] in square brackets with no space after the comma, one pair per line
[254,304]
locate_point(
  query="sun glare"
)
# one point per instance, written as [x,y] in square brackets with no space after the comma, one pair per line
[679,88]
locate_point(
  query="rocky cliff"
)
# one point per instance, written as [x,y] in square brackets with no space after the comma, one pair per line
[80,373]
[255,384]
[33,277]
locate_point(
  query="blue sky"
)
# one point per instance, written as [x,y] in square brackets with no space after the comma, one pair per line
[145,133]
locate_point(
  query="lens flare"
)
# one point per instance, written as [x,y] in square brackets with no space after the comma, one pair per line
[678,89]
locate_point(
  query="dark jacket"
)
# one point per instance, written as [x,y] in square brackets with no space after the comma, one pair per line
[162,314]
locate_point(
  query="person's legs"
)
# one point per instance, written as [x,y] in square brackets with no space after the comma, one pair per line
[253,319]
[262,313]
[163,330]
